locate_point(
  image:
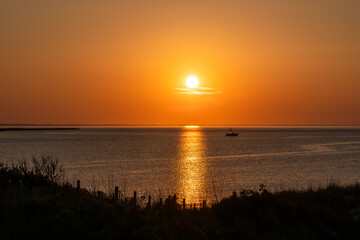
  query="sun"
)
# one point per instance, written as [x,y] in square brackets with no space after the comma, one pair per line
[192,82]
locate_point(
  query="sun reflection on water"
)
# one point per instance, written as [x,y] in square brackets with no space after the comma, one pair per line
[192,167]
[191,126]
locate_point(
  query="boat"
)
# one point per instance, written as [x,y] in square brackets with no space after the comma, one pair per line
[231,133]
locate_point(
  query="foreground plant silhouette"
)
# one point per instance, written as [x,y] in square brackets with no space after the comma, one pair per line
[35,205]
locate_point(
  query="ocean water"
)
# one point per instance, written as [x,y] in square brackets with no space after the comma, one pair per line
[195,163]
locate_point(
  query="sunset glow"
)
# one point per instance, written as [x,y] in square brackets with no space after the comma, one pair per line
[131,62]
[187,119]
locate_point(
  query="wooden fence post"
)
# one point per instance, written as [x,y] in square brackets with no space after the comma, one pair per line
[204,204]
[149,202]
[116,193]
[135,199]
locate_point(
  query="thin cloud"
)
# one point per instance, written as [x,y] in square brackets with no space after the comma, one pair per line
[197,91]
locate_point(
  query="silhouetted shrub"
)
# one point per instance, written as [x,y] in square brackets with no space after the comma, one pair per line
[48,167]
[61,211]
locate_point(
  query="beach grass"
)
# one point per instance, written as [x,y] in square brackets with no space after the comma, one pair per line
[36,204]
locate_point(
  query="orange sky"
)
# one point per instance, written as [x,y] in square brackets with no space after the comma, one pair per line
[123,62]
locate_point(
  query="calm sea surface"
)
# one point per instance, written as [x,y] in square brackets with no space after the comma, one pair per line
[197,164]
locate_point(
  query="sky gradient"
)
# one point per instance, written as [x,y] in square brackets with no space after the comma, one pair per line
[126,62]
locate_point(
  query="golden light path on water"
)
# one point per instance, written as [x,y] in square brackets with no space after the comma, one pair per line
[192,168]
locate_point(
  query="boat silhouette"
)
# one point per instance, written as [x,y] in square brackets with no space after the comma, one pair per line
[231,133]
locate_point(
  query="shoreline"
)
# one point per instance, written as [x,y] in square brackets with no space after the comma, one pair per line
[37,129]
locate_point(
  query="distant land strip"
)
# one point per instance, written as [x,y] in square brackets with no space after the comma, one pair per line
[38,129]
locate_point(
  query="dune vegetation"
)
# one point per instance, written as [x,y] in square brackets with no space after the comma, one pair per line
[36,204]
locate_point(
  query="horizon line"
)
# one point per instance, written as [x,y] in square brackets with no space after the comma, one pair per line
[179,125]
